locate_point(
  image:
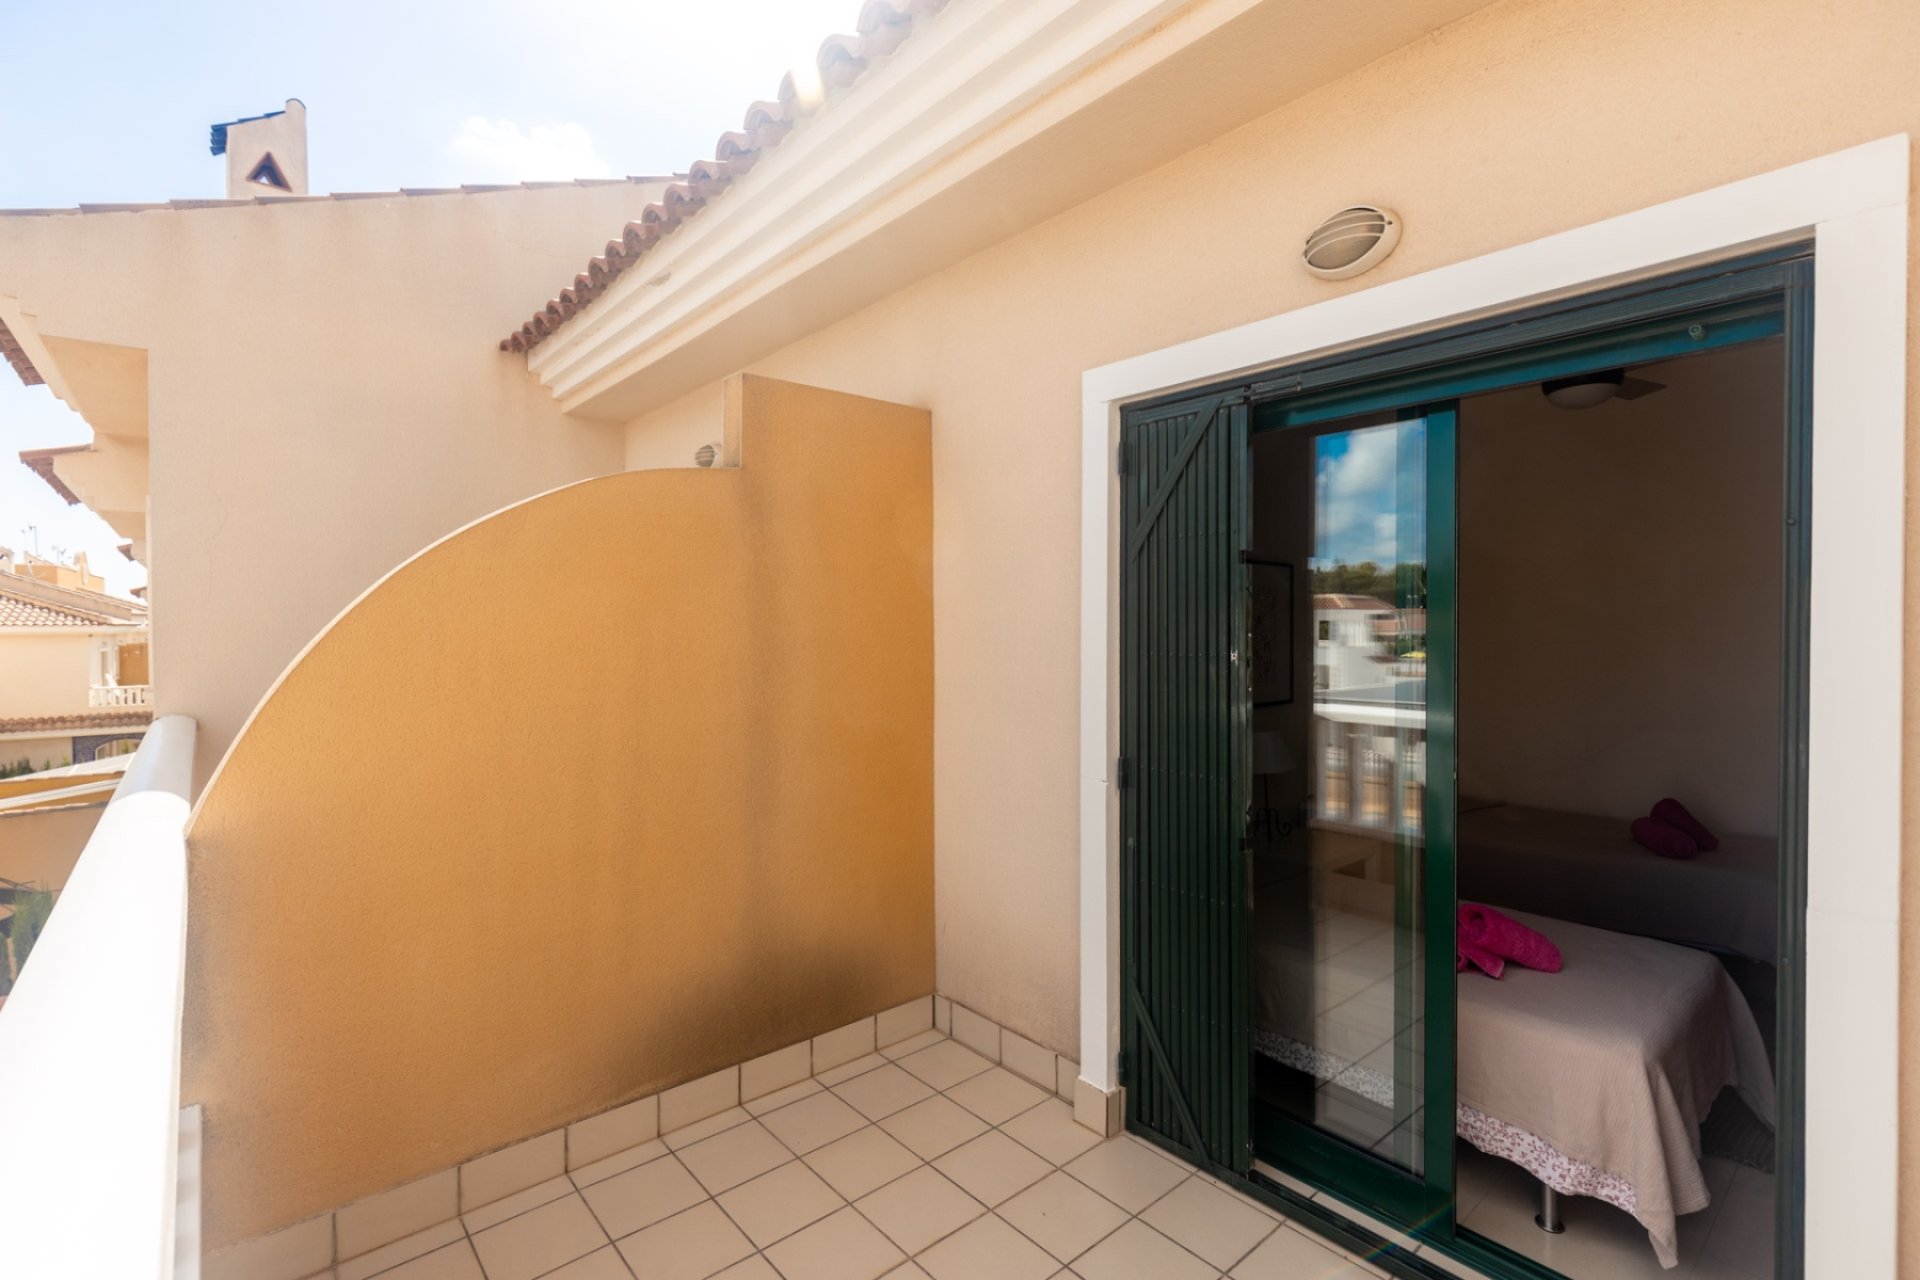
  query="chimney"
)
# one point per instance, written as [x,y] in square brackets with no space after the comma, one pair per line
[266,155]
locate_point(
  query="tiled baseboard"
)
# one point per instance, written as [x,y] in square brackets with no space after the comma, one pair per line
[358,1229]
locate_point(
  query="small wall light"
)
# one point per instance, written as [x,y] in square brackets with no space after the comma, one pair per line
[1353,240]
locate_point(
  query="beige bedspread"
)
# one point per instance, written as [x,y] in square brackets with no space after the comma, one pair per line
[1615,1060]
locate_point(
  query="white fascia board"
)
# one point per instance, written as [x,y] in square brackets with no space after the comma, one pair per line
[955,97]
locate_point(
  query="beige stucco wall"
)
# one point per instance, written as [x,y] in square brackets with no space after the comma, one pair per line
[323,397]
[1619,606]
[41,752]
[45,674]
[1527,118]
[672,810]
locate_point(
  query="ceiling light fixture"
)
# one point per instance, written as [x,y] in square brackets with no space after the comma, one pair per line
[1583,391]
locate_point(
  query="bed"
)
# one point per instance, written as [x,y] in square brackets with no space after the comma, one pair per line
[1595,1079]
[1585,867]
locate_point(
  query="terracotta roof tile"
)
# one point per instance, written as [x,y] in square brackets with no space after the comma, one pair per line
[881,28]
[25,613]
[114,718]
[10,348]
[40,462]
[73,607]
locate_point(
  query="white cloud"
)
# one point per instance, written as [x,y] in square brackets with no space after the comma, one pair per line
[503,151]
[1356,491]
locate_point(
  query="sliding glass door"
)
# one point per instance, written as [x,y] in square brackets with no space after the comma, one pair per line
[1350,964]
[1286,777]
[1286,793]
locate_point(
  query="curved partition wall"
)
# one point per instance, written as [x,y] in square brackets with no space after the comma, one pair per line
[617,786]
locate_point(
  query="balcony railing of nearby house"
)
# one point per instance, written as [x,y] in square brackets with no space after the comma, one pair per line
[120,695]
[1370,763]
[90,1043]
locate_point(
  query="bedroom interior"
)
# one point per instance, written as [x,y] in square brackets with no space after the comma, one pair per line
[1615,593]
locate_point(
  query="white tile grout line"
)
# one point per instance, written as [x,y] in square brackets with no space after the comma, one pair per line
[1049,1088]
[1277,1222]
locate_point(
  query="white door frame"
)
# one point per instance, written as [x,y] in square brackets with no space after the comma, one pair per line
[1853,203]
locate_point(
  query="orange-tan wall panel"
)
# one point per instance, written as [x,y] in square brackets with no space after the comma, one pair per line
[611,789]
[41,846]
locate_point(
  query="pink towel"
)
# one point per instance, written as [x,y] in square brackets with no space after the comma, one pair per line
[1675,815]
[1486,940]
[1666,840]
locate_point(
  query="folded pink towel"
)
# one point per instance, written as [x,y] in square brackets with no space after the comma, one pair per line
[1667,841]
[1485,939]
[1675,815]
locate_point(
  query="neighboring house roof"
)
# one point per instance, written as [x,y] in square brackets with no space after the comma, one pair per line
[881,28]
[28,602]
[219,131]
[25,613]
[114,718]
[1340,600]
[40,462]
[10,348]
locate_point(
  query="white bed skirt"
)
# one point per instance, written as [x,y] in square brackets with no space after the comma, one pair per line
[1495,1137]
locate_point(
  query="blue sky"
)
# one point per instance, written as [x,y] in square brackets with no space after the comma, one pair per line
[110,101]
[1370,488]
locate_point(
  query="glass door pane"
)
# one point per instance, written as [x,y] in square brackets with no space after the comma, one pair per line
[1338,929]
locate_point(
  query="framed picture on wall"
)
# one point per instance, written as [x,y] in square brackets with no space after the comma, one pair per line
[1270,632]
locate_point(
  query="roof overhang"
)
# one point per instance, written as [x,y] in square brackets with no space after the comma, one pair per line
[997,115]
[40,462]
[106,384]
[14,354]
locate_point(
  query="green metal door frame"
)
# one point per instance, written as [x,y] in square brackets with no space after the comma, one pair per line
[1724,304]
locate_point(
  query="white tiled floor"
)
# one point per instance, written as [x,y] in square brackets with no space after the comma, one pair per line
[943,1167]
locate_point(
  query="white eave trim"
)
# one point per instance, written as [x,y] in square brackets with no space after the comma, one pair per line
[973,83]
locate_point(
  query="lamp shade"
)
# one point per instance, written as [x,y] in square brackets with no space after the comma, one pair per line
[1271,754]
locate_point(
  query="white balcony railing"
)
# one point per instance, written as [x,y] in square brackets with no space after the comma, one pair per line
[1370,765]
[120,695]
[90,1042]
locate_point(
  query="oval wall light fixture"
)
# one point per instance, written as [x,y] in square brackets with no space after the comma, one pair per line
[1353,240]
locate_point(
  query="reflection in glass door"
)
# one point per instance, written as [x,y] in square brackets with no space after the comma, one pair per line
[1340,972]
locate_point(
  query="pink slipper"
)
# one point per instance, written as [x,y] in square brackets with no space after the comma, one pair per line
[1668,842]
[1675,815]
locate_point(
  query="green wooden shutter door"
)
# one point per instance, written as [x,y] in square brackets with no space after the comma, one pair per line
[1183,718]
